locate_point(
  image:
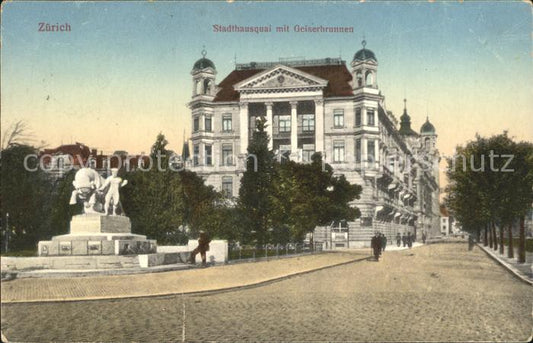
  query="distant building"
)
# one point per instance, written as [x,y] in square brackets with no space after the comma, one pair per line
[445,227]
[58,161]
[322,106]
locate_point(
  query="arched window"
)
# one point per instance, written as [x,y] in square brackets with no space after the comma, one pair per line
[359,78]
[427,142]
[196,87]
[207,86]
[369,79]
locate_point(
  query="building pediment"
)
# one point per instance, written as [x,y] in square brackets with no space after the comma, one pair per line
[279,78]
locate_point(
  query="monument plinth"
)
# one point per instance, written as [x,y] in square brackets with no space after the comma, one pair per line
[97,234]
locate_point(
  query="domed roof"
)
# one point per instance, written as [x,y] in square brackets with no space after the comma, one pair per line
[203,62]
[427,127]
[364,54]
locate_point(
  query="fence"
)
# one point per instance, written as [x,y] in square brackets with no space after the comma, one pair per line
[236,253]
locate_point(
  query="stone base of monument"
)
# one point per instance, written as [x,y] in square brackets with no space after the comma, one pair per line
[94,235]
[96,243]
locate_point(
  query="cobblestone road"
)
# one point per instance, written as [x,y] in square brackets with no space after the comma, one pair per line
[438,292]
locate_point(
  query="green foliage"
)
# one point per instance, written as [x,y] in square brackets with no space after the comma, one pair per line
[484,185]
[161,203]
[309,195]
[25,196]
[281,202]
[255,203]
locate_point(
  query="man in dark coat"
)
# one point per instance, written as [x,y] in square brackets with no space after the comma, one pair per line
[398,239]
[383,242]
[408,240]
[202,248]
[424,237]
[404,240]
[375,244]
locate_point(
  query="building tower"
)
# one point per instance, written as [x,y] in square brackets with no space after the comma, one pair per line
[364,68]
[428,140]
[203,77]
[201,105]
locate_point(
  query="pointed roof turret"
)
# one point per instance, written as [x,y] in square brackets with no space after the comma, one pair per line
[405,123]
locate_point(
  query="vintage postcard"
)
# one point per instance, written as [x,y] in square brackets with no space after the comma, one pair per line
[274,171]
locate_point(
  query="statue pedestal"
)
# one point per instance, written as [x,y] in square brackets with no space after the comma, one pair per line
[96,234]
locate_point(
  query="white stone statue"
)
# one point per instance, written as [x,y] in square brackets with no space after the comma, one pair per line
[112,196]
[86,183]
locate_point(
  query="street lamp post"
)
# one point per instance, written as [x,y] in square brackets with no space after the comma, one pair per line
[7,232]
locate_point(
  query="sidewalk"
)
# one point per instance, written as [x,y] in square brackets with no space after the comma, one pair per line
[199,280]
[523,271]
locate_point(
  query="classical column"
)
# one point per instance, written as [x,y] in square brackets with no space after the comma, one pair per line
[243,125]
[294,127]
[364,153]
[270,124]
[376,153]
[319,126]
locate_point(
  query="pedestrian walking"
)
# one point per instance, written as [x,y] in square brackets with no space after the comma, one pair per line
[202,248]
[398,239]
[424,237]
[471,242]
[375,244]
[383,242]
[408,240]
[404,240]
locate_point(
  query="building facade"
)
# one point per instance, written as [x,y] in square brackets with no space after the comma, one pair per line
[321,106]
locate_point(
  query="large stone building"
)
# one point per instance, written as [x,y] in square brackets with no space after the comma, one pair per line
[321,106]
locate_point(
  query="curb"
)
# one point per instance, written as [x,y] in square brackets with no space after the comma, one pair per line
[506,265]
[193,293]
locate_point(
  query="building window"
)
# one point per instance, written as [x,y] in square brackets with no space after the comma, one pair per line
[208,155]
[371,152]
[227,186]
[307,151]
[308,123]
[196,126]
[358,150]
[338,151]
[196,154]
[226,123]
[370,118]
[208,124]
[359,77]
[338,118]
[284,124]
[357,117]
[227,155]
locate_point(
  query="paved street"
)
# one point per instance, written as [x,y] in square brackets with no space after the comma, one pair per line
[439,292]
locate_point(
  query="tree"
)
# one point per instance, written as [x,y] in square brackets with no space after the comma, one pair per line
[255,202]
[153,198]
[309,195]
[163,203]
[24,194]
[495,188]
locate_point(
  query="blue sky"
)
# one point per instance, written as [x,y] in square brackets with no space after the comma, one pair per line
[123,73]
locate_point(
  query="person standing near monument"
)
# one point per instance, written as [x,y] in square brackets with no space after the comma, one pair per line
[112,195]
[202,248]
